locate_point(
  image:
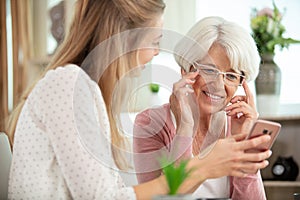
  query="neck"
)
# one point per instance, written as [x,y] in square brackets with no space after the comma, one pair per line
[210,128]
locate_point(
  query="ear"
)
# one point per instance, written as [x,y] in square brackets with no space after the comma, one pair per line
[183,72]
[192,69]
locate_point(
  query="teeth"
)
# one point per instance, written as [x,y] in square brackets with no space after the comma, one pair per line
[212,96]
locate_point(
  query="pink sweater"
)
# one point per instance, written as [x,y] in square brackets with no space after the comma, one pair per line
[155,135]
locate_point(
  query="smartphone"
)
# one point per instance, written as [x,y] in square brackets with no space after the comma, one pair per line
[262,127]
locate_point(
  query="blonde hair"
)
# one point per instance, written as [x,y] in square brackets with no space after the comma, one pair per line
[95,21]
[238,43]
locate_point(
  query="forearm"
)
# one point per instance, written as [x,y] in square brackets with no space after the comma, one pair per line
[196,178]
[185,129]
[151,188]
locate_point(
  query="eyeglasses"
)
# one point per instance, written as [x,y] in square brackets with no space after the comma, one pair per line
[211,73]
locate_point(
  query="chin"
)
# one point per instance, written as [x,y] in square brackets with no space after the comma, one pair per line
[211,109]
[136,72]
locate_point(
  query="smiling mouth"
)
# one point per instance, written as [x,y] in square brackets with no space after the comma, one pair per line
[213,97]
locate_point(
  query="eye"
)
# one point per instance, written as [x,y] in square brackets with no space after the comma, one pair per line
[232,76]
[209,71]
[156,44]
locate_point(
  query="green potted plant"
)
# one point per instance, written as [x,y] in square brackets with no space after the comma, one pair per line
[268,32]
[176,174]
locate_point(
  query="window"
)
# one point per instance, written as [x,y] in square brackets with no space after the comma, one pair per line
[239,12]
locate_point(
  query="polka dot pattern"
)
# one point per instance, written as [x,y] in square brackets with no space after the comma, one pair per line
[51,159]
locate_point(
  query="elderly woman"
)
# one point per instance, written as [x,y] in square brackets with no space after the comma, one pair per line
[224,57]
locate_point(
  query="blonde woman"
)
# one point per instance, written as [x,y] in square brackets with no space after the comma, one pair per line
[226,57]
[66,143]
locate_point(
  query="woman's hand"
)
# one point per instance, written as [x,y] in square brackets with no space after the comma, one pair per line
[228,157]
[182,102]
[242,111]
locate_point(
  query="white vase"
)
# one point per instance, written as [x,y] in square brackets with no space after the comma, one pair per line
[267,85]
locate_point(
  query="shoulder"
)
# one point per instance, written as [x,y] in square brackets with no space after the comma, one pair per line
[64,85]
[64,78]
[160,113]
[69,72]
[153,121]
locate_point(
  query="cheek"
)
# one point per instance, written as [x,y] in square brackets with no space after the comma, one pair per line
[198,85]
[145,56]
[230,91]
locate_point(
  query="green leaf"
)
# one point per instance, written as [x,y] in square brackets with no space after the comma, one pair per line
[268,31]
[175,174]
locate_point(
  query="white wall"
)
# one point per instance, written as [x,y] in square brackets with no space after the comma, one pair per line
[287,60]
[179,15]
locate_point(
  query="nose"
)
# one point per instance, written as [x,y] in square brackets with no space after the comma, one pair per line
[220,78]
[156,51]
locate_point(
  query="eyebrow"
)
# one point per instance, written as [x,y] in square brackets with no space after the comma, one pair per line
[208,64]
[214,66]
[158,37]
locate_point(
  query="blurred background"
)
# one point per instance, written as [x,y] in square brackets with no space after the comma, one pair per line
[31,30]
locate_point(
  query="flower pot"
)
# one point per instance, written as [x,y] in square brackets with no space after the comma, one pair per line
[267,85]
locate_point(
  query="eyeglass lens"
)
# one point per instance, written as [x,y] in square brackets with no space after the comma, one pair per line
[230,78]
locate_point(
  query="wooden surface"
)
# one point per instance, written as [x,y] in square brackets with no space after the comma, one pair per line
[285,112]
[3,67]
[282,184]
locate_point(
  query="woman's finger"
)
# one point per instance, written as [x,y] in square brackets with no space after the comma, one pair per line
[190,75]
[249,95]
[241,108]
[182,83]
[257,157]
[239,137]
[238,98]
[238,104]
[251,167]
[253,142]
[238,112]
[183,86]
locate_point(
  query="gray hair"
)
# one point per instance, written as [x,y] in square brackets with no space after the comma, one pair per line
[237,41]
